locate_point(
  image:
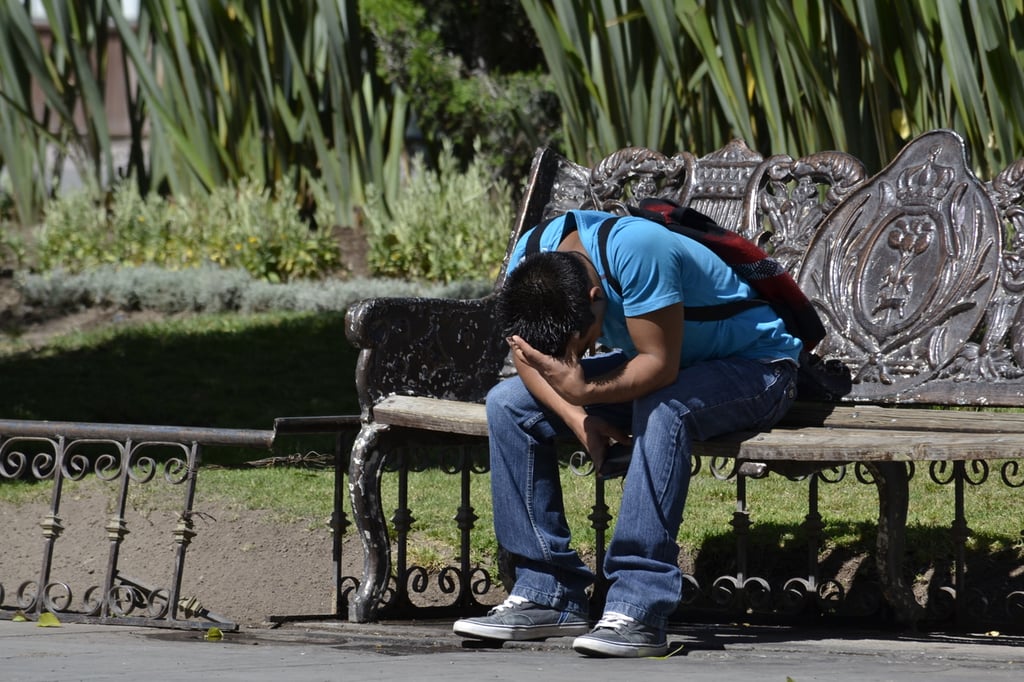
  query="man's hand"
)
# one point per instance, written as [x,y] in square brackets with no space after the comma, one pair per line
[597,435]
[564,375]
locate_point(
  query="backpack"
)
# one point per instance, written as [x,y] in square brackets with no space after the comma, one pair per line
[773,285]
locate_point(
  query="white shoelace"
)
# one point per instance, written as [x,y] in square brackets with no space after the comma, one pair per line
[510,603]
[614,621]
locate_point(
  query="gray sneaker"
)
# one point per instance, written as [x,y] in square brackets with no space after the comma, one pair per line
[621,636]
[517,619]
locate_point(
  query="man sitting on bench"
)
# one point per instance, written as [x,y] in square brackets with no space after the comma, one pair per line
[670,380]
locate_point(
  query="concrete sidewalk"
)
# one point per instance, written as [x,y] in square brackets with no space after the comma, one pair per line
[328,650]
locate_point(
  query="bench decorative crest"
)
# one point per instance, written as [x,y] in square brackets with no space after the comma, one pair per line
[905,268]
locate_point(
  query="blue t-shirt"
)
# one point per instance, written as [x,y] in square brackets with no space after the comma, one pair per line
[657,268]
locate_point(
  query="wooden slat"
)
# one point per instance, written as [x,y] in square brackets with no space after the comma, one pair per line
[841,434]
[902,418]
[432,414]
[824,444]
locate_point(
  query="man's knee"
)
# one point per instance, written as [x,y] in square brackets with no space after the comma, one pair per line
[505,398]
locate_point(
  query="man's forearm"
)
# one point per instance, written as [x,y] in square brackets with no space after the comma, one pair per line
[572,415]
[657,336]
[561,384]
[634,379]
[593,433]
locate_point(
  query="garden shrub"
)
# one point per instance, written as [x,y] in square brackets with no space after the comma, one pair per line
[445,225]
[210,289]
[12,247]
[244,227]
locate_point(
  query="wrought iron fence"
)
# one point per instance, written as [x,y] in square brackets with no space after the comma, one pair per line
[126,458]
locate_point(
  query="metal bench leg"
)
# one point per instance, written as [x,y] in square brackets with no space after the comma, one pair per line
[892,480]
[364,474]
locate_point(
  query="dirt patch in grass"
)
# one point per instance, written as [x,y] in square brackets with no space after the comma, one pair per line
[244,565]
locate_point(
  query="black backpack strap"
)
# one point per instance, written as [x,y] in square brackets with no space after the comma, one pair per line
[602,245]
[720,311]
[533,241]
[701,313]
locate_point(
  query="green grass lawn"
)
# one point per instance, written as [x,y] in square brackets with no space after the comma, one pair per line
[238,371]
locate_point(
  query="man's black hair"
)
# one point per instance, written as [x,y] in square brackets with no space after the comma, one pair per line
[545,300]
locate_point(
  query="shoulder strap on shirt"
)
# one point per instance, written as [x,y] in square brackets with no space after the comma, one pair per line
[533,241]
[602,245]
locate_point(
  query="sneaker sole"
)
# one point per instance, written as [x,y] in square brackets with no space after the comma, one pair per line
[518,633]
[593,646]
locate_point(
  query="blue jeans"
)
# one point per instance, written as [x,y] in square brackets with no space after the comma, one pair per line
[706,400]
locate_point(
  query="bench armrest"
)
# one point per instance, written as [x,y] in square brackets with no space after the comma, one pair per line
[438,348]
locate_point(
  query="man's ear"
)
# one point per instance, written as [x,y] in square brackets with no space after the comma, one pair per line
[596,294]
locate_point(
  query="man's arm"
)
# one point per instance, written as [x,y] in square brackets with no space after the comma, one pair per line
[572,415]
[593,433]
[658,338]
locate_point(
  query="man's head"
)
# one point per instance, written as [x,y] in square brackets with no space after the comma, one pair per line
[548,299]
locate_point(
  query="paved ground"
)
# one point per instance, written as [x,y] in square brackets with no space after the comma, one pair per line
[413,652]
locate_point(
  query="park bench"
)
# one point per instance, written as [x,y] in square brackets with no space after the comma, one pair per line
[917,273]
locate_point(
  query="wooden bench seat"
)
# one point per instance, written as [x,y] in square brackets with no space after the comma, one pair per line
[432,414]
[810,432]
